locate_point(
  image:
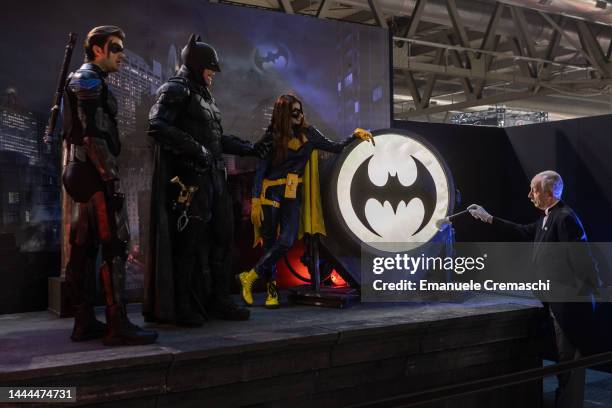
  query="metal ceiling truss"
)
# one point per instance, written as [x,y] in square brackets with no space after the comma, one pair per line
[370,13]
[458,54]
[522,66]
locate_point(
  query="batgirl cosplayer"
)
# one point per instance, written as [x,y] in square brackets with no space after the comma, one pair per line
[285,187]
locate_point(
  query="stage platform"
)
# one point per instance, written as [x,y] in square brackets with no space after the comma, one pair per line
[296,356]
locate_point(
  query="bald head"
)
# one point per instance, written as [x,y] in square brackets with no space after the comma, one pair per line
[551,181]
[546,189]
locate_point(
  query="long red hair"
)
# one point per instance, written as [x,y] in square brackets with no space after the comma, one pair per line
[281,125]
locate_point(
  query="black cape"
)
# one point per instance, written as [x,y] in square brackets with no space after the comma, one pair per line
[158,301]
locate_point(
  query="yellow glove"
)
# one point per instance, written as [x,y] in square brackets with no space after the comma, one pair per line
[256,212]
[364,135]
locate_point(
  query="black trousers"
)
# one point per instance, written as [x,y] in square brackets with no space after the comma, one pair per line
[570,392]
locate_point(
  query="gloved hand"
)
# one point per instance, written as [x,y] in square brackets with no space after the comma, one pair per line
[262,148]
[256,212]
[364,135]
[480,213]
[443,223]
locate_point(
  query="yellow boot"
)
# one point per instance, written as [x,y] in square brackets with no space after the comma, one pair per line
[247,279]
[272,298]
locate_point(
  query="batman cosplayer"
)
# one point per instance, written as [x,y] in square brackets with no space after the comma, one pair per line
[285,187]
[91,178]
[188,279]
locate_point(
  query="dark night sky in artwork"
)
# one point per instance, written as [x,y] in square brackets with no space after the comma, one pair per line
[33,35]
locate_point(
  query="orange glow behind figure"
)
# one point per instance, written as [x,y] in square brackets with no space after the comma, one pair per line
[285,279]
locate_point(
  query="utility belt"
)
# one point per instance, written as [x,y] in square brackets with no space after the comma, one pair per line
[291,183]
[217,165]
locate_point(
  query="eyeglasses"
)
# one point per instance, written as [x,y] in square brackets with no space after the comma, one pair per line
[296,113]
[115,48]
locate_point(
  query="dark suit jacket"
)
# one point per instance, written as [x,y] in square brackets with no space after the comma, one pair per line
[558,255]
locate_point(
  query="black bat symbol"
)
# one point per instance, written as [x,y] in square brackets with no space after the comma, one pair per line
[270,56]
[362,189]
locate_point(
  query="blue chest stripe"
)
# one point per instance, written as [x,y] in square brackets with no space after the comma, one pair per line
[86,83]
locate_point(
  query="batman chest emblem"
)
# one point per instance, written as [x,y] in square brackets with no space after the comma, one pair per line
[205,111]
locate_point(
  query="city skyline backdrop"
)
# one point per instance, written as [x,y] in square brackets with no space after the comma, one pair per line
[262,55]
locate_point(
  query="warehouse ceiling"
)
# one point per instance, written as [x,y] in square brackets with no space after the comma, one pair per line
[461,55]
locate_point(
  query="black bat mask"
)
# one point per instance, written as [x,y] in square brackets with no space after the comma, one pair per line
[198,56]
[362,189]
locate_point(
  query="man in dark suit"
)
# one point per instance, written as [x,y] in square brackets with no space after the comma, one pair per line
[570,268]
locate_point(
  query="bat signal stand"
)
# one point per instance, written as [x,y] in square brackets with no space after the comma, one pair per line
[314,294]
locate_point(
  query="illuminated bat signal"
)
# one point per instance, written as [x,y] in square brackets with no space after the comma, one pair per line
[362,189]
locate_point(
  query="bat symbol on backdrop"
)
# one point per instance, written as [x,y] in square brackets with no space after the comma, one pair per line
[269,57]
